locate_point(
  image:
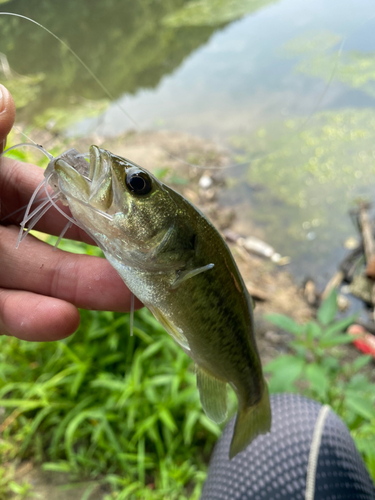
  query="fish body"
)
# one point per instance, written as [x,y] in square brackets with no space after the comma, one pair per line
[175,261]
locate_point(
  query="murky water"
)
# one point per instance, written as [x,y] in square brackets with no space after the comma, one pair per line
[289,86]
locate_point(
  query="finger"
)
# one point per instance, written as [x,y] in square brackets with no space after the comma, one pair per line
[29,316]
[18,181]
[85,281]
[7,114]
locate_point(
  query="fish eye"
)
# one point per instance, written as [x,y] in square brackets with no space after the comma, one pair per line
[138,182]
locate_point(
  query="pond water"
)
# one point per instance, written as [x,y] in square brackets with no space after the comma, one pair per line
[288,86]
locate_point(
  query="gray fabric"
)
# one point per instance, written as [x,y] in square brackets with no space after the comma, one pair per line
[274,466]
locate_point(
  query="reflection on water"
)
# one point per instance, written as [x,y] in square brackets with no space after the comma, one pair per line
[286,83]
[128,45]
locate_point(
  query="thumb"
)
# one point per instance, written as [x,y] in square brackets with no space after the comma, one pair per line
[7,114]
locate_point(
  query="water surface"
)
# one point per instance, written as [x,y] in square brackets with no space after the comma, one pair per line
[287,85]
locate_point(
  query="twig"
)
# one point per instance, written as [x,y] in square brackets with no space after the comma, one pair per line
[366,229]
[310,293]
[334,282]
[350,262]
[368,240]
[368,326]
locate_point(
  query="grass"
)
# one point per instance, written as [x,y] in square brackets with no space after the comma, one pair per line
[105,405]
[317,366]
[124,411]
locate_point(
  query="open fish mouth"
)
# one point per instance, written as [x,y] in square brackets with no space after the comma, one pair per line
[85,182]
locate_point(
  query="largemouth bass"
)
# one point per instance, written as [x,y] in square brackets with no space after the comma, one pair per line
[175,261]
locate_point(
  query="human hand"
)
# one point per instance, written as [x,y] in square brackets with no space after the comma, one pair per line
[40,289]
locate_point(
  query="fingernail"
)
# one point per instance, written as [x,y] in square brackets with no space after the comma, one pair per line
[3,95]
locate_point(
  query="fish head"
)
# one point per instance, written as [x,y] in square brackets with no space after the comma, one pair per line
[120,204]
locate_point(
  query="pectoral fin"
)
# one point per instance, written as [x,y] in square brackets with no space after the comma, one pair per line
[186,275]
[173,248]
[213,395]
[175,332]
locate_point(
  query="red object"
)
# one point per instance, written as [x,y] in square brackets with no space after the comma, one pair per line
[365,342]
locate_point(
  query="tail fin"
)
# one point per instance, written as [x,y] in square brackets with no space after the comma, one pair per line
[251,421]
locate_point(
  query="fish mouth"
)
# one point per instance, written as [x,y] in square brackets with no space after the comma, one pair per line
[87,183]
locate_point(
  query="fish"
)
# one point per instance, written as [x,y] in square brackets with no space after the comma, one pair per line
[176,262]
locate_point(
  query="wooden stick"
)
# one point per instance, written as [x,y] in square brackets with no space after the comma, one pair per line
[350,262]
[366,229]
[334,282]
[369,326]
[368,240]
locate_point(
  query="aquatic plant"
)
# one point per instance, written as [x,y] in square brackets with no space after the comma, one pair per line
[309,173]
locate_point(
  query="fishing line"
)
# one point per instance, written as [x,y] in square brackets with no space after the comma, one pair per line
[33,145]
[91,73]
[23,133]
[45,152]
[171,155]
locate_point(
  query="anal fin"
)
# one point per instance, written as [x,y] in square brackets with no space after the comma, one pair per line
[213,395]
